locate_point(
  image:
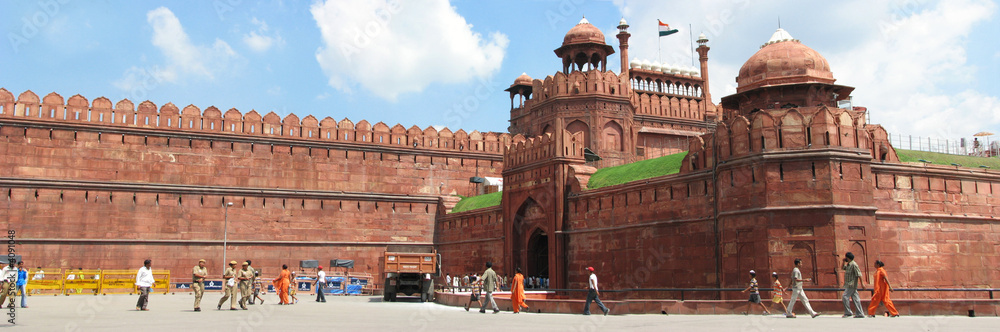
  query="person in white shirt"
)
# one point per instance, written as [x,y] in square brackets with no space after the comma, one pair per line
[39,275]
[144,280]
[70,276]
[9,279]
[593,294]
[320,284]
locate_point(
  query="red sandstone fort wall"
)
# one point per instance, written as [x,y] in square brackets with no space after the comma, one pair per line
[651,234]
[118,229]
[938,226]
[61,153]
[97,186]
[467,240]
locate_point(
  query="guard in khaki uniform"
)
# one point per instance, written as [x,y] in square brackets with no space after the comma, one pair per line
[253,281]
[244,276]
[229,288]
[198,275]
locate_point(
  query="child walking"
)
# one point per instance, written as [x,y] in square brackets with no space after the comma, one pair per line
[754,294]
[777,292]
[474,296]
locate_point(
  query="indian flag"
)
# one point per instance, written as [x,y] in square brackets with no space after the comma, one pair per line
[665,29]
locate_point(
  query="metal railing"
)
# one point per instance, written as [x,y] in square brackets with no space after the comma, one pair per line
[975,146]
[682,291]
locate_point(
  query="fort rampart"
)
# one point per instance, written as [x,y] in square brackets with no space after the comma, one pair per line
[99,186]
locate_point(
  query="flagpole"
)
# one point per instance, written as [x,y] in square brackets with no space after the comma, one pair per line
[658,38]
[691,39]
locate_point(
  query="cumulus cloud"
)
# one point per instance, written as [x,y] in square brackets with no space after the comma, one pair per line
[914,74]
[261,40]
[182,57]
[907,59]
[393,47]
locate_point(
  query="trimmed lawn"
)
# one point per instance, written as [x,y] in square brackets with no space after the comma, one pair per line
[636,171]
[947,159]
[478,202]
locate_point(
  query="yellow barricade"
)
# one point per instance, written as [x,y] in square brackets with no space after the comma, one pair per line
[123,281]
[45,281]
[162,278]
[86,282]
[118,282]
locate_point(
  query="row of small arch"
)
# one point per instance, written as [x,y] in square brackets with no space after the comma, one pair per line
[676,88]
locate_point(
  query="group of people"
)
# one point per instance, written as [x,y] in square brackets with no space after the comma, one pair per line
[489,282]
[245,279]
[468,281]
[15,281]
[853,280]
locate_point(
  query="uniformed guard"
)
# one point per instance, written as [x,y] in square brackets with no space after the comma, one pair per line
[253,281]
[199,273]
[244,276]
[229,288]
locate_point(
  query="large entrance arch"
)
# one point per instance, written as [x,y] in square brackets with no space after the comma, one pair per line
[530,241]
[538,254]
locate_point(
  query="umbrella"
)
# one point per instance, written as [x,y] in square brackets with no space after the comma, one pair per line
[983,133]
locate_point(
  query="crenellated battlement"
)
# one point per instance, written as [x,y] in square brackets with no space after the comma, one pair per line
[576,83]
[790,129]
[168,117]
[523,151]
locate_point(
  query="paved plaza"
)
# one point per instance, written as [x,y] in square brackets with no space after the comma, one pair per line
[173,313]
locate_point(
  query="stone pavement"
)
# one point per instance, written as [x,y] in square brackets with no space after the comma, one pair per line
[173,313]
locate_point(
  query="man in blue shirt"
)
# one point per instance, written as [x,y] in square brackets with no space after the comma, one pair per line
[22,283]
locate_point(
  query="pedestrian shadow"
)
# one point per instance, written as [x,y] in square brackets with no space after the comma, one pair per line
[400,299]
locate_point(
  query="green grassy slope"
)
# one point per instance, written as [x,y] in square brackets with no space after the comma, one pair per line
[947,159]
[477,202]
[639,170]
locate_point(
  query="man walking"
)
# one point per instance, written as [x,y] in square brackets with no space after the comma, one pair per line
[253,282]
[144,280]
[489,281]
[593,294]
[852,280]
[797,292]
[9,275]
[320,285]
[22,283]
[244,276]
[229,287]
[198,275]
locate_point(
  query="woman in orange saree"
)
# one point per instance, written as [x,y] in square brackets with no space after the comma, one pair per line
[517,292]
[281,284]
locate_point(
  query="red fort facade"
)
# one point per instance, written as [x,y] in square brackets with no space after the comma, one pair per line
[774,172]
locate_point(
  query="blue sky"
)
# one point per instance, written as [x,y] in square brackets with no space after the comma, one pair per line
[927,68]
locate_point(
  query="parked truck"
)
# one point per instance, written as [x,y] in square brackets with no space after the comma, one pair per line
[411,273]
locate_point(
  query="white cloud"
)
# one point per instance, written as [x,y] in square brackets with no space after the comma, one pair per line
[393,47]
[907,59]
[183,58]
[260,40]
[914,75]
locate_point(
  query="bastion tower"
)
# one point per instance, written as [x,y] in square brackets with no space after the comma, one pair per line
[792,167]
